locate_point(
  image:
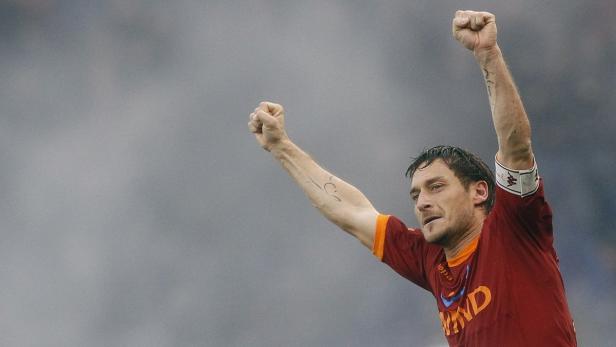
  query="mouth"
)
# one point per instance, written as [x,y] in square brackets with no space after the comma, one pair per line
[430,219]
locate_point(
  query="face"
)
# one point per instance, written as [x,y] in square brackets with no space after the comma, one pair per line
[444,208]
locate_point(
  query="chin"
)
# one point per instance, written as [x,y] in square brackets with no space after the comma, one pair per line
[435,236]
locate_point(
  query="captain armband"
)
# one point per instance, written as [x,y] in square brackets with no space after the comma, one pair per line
[519,182]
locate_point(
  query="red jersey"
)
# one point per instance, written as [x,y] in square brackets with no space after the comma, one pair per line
[505,289]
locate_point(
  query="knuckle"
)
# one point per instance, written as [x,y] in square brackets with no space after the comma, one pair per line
[275,105]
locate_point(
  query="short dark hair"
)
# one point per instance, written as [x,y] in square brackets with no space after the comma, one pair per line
[465,165]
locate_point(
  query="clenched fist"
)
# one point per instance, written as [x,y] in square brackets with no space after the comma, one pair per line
[475,30]
[267,123]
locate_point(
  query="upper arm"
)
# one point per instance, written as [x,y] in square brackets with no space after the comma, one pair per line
[517,182]
[404,250]
[520,200]
[361,223]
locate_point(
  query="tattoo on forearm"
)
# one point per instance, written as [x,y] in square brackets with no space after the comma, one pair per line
[329,188]
[489,82]
[315,183]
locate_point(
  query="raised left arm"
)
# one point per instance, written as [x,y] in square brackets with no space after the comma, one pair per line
[477,32]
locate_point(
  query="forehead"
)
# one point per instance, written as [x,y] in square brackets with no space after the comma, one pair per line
[437,168]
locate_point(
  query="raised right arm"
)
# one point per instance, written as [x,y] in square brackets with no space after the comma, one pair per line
[337,200]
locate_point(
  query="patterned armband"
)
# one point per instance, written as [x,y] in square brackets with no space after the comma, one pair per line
[519,182]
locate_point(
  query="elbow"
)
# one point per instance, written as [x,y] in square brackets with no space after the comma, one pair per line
[522,150]
[517,142]
[519,158]
[517,154]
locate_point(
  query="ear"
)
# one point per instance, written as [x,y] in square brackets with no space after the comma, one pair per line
[479,192]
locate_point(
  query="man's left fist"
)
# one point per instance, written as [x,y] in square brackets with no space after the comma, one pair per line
[475,30]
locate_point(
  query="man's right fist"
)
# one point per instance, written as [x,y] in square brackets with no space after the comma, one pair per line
[267,123]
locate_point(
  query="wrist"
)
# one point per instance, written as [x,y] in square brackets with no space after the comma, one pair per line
[280,147]
[486,55]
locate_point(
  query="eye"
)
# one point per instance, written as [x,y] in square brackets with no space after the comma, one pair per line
[435,187]
[414,197]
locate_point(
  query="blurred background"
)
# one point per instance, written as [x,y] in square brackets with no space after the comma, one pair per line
[137,210]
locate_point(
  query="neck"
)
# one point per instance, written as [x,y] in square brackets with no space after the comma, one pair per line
[460,243]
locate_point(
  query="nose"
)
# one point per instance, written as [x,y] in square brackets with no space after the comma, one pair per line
[423,202]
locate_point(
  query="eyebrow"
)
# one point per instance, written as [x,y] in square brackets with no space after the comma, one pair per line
[427,183]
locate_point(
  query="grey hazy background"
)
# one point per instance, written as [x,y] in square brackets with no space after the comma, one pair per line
[137,210]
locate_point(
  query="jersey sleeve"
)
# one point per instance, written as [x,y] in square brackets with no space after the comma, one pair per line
[520,199]
[403,249]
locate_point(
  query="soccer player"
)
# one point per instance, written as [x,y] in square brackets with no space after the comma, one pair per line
[485,246]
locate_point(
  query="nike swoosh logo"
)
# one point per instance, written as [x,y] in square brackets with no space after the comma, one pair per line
[448,303]
[457,297]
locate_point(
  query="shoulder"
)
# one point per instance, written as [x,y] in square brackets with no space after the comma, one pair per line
[393,234]
[405,250]
[520,207]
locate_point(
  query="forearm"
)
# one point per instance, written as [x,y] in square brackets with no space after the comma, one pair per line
[510,120]
[337,200]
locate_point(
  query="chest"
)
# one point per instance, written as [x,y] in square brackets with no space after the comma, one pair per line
[465,299]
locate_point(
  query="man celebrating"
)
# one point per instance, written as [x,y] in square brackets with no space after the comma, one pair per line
[485,247]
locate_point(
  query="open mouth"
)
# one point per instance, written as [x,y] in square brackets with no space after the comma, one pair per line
[430,219]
